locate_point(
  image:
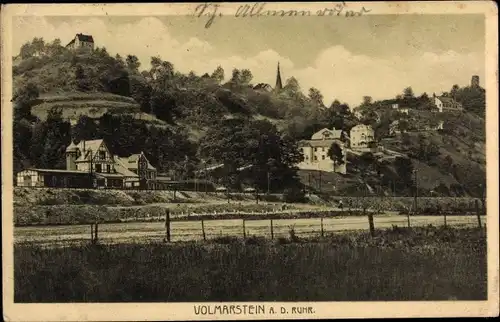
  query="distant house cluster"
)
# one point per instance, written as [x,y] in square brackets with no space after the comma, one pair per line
[446,103]
[400,109]
[90,164]
[81,41]
[315,150]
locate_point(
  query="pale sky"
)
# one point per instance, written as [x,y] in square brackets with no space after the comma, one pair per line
[375,55]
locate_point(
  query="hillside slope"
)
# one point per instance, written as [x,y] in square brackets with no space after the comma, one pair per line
[450,161]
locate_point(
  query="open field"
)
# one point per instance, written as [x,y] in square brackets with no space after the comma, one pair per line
[192,230]
[397,264]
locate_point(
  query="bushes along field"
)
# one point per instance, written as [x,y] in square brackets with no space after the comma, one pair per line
[399,264]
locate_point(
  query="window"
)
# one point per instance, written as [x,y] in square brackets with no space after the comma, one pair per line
[102,155]
[315,158]
[323,156]
[98,167]
[307,157]
[315,149]
[108,168]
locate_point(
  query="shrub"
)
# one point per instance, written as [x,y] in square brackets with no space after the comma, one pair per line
[294,195]
[293,236]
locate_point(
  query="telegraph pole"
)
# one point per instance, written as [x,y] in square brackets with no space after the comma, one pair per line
[416,190]
[90,170]
[309,176]
[268,182]
[320,181]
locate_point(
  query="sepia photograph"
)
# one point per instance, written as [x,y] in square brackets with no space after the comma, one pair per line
[224,157]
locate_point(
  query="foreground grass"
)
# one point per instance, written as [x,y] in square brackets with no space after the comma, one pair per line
[398,264]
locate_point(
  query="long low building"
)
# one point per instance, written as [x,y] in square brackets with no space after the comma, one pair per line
[54,178]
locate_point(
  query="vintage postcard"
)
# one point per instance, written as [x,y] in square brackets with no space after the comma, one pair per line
[207,161]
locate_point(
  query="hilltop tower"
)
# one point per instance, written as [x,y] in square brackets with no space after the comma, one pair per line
[474,81]
[279,84]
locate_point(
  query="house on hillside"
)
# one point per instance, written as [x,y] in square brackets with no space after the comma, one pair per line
[263,87]
[362,138]
[139,165]
[327,134]
[400,109]
[315,151]
[81,41]
[90,164]
[446,103]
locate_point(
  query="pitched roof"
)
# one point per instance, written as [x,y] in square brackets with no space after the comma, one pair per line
[446,99]
[87,38]
[334,134]
[81,37]
[359,126]
[122,168]
[319,143]
[263,86]
[131,161]
[90,145]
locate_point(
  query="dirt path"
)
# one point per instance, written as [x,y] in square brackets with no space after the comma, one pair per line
[192,230]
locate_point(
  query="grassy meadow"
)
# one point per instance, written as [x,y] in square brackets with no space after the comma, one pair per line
[426,263]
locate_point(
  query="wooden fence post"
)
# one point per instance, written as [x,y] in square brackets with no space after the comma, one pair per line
[244,230]
[445,219]
[167,224]
[478,213]
[92,233]
[96,232]
[272,231]
[371,224]
[322,231]
[203,230]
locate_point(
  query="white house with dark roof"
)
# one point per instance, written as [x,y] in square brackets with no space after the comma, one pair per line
[81,41]
[446,103]
[315,151]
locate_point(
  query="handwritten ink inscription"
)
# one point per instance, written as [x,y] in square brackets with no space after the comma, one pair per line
[212,10]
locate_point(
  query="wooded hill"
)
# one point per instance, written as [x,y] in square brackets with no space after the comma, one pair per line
[185,122]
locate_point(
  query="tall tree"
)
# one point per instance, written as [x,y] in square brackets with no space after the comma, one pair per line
[408,93]
[316,97]
[292,86]
[24,99]
[133,63]
[404,170]
[235,77]
[367,100]
[85,129]
[454,91]
[56,140]
[218,74]
[336,154]
[246,77]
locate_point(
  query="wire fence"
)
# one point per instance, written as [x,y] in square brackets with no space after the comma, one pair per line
[169,230]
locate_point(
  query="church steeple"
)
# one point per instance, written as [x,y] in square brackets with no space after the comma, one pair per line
[279,85]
